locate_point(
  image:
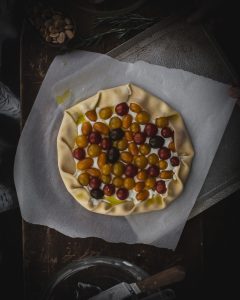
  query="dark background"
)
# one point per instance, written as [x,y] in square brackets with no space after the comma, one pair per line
[221,222]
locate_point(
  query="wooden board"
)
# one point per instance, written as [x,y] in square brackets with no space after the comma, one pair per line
[176,44]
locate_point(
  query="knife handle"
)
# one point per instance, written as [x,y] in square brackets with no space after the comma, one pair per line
[162,279]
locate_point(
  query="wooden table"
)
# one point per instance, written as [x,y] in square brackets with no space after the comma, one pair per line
[46,251]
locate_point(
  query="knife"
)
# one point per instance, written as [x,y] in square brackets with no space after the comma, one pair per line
[123,290]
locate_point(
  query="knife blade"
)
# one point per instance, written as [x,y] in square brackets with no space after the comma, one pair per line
[123,290]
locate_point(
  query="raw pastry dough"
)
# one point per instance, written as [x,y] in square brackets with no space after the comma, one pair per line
[157,108]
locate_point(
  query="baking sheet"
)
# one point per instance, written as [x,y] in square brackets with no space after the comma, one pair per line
[203,103]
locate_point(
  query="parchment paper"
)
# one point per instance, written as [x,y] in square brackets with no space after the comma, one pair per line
[43,198]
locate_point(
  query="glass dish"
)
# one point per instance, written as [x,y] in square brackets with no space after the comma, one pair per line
[86,278]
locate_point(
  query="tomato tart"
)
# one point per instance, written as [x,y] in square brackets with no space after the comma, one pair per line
[123,151]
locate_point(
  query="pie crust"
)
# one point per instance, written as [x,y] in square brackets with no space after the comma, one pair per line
[156,108]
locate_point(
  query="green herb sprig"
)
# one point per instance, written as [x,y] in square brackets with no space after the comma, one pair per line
[121,26]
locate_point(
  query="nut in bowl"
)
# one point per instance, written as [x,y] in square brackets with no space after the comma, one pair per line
[108,172]
[54,27]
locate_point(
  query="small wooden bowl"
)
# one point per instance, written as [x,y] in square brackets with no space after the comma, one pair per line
[39,22]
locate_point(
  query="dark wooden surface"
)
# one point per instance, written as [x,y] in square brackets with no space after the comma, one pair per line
[46,251]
